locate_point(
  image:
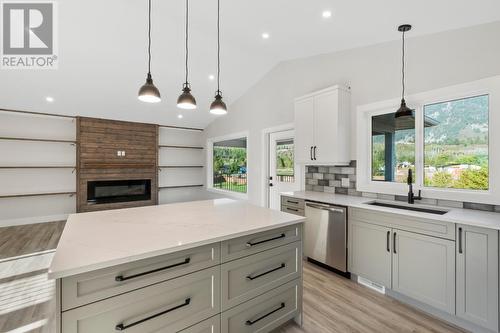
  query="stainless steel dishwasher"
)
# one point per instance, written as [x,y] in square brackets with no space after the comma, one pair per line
[326,235]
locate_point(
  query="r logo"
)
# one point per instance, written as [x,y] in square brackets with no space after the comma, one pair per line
[28,28]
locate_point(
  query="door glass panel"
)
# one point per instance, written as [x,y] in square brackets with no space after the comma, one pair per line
[285,161]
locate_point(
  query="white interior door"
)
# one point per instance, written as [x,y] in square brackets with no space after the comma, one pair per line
[284,172]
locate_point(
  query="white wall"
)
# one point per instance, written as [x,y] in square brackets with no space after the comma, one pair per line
[373,72]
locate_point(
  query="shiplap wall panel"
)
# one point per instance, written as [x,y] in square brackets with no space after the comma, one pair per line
[181,176]
[186,194]
[27,153]
[22,181]
[26,210]
[176,156]
[34,126]
[181,137]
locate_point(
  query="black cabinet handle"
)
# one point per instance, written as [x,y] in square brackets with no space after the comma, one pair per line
[460,250]
[121,278]
[250,277]
[311,153]
[122,327]
[292,209]
[394,244]
[250,244]
[293,202]
[314,149]
[251,322]
[388,241]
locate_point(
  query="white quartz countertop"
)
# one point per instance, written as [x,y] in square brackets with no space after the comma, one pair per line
[102,239]
[454,215]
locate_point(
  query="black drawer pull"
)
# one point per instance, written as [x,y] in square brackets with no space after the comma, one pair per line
[460,250]
[249,244]
[292,209]
[388,241]
[251,322]
[293,202]
[121,327]
[121,278]
[394,244]
[250,277]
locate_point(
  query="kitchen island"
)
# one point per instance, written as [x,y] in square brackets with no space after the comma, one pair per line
[207,266]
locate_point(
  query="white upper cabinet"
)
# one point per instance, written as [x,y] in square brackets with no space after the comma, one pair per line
[322,127]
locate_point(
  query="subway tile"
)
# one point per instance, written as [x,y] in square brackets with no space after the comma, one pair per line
[478,206]
[309,175]
[352,178]
[353,163]
[335,183]
[335,170]
[323,182]
[450,203]
[312,169]
[353,192]
[386,196]
[369,195]
[497,208]
[329,189]
[312,182]
[309,187]
[348,171]
[427,201]
[323,169]
[329,176]
[318,188]
[401,198]
[352,184]
[317,175]
[340,190]
[339,176]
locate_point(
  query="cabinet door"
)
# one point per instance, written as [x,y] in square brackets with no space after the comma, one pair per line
[304,110]
[424,269]
[477,275]
[369,252]
[325,126]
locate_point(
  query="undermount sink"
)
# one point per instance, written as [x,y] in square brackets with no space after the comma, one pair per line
[408,207]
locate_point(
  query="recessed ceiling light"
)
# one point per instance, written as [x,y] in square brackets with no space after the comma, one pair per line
[265,35]
[49,99]
[180,116]
[211,77]
[327,14]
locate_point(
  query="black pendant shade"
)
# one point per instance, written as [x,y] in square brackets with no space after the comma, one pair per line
[218,106]
[404,111]
[186,100]
[148,92]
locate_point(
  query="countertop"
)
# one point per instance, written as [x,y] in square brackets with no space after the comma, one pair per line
[454,215]
[102,239]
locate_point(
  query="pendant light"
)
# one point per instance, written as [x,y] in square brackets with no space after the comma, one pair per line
[218,106]
[148,92]
[403,110]
[186,100]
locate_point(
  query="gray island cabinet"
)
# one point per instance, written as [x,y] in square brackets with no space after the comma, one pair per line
[224,276]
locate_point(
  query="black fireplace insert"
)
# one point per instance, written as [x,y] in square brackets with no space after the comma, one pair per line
[112,191]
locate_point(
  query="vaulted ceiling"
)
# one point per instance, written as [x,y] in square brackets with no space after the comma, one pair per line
[102,49]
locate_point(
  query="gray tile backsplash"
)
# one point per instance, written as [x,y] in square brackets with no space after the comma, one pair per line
[329,179]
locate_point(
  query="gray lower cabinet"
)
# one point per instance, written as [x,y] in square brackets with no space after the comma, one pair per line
[211,325]
[369,252]
[424,269]
[477,275]
[164,307]
[266,312]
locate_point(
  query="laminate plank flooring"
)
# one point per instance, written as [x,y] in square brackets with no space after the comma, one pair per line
[333,304]
[29,239]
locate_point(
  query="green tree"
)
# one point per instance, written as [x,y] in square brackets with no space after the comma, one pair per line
[473,179]
[441,179]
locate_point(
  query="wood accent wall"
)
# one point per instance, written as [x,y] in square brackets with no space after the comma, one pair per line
[99,140]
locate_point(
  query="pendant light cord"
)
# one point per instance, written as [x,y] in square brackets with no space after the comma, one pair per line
[218,46]
[149,37]
[187,40]
[403,67]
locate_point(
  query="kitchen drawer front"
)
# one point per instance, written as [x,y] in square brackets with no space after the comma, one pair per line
[408,223]
[211,325]
[89,287]
[293,202]
[266,312]
[293,210]
[169,306]
[251,244]
[251,276]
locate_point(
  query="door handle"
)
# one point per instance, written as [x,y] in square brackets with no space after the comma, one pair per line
[314,152]
[250,277]
[251,322]
[388,241]
[311,153]
[250,244]
[394,244]
[121,278]
[323,207]
[460,250]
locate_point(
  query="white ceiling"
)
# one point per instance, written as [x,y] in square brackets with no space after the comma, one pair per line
[102,49]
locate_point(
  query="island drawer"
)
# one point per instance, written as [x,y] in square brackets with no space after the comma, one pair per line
[264,313]
[293,210]
[251,276]
[251,244]
[293,202]
[211,325]
[169,306]
[89,287]
[419,225]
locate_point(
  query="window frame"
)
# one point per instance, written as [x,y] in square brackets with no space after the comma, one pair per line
[490,87]
[210,165]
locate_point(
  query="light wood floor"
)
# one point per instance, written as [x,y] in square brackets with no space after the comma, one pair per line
[28,239]
[331,303]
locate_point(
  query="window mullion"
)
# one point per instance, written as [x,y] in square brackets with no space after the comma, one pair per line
[419,147]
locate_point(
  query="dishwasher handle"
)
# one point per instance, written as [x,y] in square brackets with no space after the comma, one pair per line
[325,207]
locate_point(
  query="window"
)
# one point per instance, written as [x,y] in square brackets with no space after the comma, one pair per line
[285,161]
[229,165]
[393,148]
[456,146]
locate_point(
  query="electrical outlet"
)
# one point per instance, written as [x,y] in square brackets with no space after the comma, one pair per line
[345,182]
